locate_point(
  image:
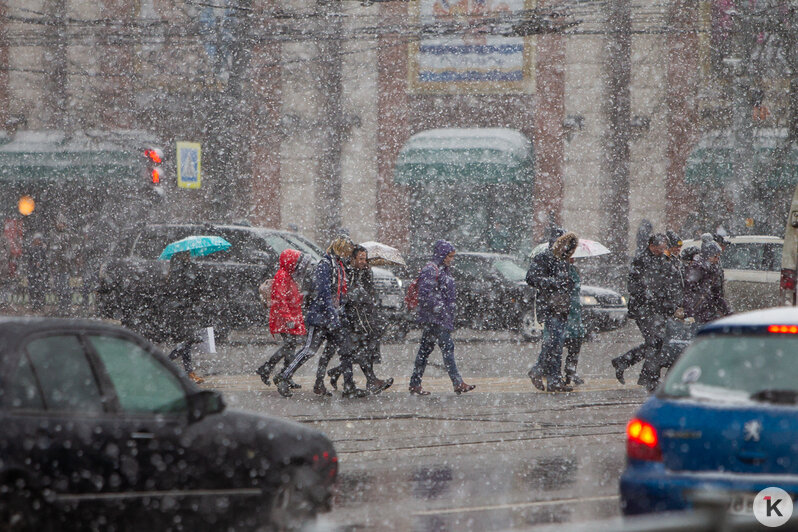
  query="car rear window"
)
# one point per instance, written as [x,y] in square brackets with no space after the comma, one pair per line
[735,367]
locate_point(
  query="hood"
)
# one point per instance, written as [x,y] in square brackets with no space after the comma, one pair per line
[440,250]
[566,241]
[289,259]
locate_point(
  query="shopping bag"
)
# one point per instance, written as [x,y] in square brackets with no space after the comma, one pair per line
[678,335]
[208,343]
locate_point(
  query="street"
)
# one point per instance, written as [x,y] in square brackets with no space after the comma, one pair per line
[504,456]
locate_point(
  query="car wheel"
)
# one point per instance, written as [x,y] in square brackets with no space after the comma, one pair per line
[529,327]
[298,499]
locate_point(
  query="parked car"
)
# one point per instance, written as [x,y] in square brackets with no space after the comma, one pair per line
[751,266]
[724,418]
[492,294]
[130,282]
[100,430]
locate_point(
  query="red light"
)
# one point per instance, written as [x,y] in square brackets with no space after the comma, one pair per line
[788,278]
[642,442]
[154,155]
[156,176]
[326,455]
[783,329]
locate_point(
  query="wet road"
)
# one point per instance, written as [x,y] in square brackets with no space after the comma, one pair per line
[502,457]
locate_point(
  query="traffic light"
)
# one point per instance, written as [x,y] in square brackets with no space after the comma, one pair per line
[154,158]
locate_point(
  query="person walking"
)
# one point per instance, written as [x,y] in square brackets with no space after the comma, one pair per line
[324,321]
[63,258]
[550,274]
[183,296]
[363,322]
[704,298]
[575,332]
[436,311]
[285,311]
[37,271]
[651,302]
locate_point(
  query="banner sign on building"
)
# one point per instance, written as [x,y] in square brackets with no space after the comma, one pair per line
[189,165]
[471,61]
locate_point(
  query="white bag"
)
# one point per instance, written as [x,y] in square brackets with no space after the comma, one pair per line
[208,344]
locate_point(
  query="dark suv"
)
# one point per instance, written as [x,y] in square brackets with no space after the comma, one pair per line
[131,281]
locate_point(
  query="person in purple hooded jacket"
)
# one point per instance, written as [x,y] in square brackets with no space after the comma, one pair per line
[436,310]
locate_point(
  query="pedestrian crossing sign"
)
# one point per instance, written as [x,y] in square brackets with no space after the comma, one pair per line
[188,165]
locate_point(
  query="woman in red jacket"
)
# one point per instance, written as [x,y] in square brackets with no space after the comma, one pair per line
[285,312]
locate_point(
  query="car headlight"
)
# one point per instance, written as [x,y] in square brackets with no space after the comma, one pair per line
[399,283]
[588,300]
[623,300]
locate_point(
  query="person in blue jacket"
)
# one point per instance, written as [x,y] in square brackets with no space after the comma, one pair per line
[436,311]
[324,320]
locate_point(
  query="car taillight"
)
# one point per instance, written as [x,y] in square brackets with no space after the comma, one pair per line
[783,329]
[642,442]
[787,279]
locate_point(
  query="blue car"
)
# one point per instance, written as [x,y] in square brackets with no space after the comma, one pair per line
[725,418]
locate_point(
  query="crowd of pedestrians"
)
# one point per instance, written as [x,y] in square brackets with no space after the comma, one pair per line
[334,304]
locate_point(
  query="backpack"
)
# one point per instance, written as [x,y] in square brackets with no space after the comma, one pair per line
[411,296]
[265,292]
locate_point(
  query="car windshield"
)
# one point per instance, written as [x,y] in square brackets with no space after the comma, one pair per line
[735,366]
[510,270]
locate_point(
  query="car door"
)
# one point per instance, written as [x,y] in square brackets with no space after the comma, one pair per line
[177,456]
[60,424]
[751,275]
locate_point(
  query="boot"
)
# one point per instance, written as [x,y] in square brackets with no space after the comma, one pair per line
[293,385]
[417,390]
[352,392]
[573,377]
[320,389]
[263,373]
[377,385]
[196,378]
[334,374]
[282,386]
[559,386]
[537,381]
[619,369]
[463,388]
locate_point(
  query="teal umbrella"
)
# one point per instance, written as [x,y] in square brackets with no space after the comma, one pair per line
[198,245]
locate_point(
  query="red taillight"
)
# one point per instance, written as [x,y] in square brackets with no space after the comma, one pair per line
[156,176]
[783,329]
[642,442]
[787,280]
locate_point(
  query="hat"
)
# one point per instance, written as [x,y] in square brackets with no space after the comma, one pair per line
[710,249]
[673,238]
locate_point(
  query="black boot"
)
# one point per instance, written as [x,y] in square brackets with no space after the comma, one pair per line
[334,374]
[619,369]
[320,389]
[263,373]
[282,386]
[352,392]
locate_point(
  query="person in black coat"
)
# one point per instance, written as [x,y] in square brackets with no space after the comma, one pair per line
[185,308]
[550,275]
[652,299]
[363,322]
